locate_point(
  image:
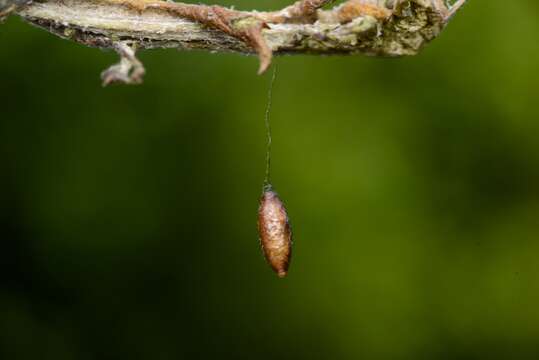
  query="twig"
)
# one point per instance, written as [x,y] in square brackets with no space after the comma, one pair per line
[371,27]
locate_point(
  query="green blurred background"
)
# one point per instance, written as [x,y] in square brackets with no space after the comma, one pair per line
[128,214]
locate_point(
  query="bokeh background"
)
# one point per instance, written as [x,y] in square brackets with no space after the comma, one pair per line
[128,214]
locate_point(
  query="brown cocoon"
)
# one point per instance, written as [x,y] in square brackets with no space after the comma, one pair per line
[275,233]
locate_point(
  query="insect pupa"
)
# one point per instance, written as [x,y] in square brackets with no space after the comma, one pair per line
[273,224]
[275,233]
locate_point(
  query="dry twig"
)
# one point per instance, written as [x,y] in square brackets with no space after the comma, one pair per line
[372,27]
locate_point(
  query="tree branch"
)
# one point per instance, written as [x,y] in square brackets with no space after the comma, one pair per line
[371,27]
